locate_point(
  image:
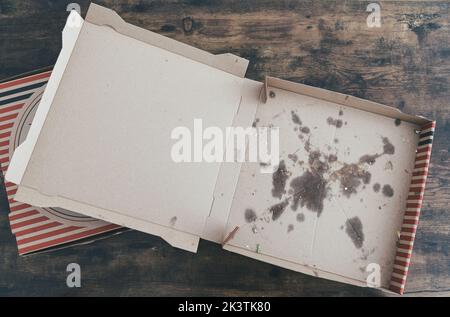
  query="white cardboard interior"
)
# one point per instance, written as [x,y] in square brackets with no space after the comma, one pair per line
[128,100]
[356,226]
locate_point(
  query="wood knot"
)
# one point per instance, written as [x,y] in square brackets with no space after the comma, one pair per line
[188,24]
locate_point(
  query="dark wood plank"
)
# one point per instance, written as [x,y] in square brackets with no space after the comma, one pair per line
[405,64]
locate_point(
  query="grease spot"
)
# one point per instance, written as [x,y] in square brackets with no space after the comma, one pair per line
[388,148]
[278,209]
[332,158]
[310,190]
[250,215]
[279,178]
[295,118]
[354,229]
[335,122]
[388,191]
[300,217]
[376,187]
[369,159]
[290,228]
[293,157]
[173,220]
[305,130]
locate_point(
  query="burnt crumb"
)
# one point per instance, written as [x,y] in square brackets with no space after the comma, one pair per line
[295,118]
[397,122]
[351,176]
[272,94]
[388,191]
[279,178]
[332,158]
[293,157]
[376,187]
[300,217]
[255,123]
[310,190]
[290,228]
[354,229]
[341,112]
[278,209]
[336,122]
[250,215]
[388,148]
[305,130]
[173,220]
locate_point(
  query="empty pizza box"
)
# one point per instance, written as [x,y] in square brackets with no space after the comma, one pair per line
[343,204]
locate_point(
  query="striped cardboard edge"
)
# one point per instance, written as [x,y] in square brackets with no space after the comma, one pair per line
[35,228]
[412,211]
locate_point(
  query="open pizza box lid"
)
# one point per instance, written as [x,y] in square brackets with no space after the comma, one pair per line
[334,208]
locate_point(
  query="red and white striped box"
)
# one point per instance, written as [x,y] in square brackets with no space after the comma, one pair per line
[413,208]
[35,228]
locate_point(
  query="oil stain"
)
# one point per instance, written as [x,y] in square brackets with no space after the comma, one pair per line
[332,158]
[278,209]
[300,217]
[354,229]
[293,157]
[388,147]
[310,190]
[250,215]
[388,191]
[296,118]
[279,178]
[376,187]
[369,159]
[335,122]
[290,228]
[305,130]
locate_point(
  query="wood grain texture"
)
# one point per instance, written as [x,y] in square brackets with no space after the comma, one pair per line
[404,64]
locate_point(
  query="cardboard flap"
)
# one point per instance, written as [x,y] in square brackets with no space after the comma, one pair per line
[227,62]
[163,88]
[339,98]
[23,153]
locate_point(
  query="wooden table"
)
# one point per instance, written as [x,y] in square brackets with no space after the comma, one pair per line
[405,63]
